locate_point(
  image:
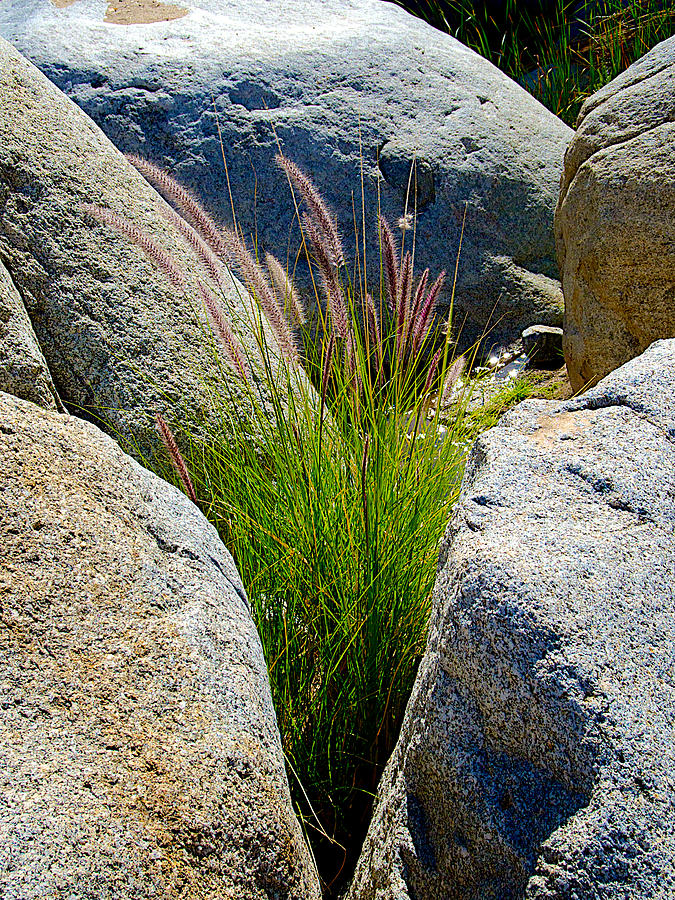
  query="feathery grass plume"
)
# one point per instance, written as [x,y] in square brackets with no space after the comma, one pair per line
[152,250]
[165,262]
[225,333]
[258,285]
[452,376]
[177,460]
[323,220]
[419,294]
[208,241]
[423,320]
[191,209]
[403,303]
[285,289]
[329,277]
[212,263]
[433,369]
[391,263]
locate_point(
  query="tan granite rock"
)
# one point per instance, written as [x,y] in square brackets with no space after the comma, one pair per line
[614,221]
[139,746]
[23,370]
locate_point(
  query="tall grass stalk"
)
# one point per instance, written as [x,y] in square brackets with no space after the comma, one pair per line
[334,523]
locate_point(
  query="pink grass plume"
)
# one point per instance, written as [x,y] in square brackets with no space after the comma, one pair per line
[422,323]
[329,278]
[391,264]
[223,330]
[151,248]
[323,220]
[258,285]
[177,460]
[452,376]
[191,209]
[285,289]
[403,304]
[419,294]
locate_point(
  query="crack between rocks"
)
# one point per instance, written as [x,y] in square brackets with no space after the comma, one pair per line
[60,407]
[593,404]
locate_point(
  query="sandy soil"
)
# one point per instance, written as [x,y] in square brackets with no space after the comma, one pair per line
[135,12]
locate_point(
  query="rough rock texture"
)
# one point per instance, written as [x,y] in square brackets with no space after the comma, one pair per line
[139,746]
[614,221]
[23,370]
[537,757]
[335,80]
[543,345]
[120,342]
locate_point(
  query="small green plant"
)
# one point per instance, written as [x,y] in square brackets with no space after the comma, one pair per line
[335,516]
[561,51]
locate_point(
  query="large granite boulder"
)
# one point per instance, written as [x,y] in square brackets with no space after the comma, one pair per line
[537,758]
[120,341]
[23,369]
[139,745]
[344,86]
[614,221]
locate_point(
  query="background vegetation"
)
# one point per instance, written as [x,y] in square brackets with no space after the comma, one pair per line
[562,51]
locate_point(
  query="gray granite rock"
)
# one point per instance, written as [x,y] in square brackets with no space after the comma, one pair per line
[614,221]
[139,745]
[537,758]
[334,81]
[543,345]
[121,343]
[23,370]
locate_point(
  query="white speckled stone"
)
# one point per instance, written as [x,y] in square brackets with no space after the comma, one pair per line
[139,746]
[335,81]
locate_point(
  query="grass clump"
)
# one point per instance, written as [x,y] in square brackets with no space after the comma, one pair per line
[335,515]
[562,51]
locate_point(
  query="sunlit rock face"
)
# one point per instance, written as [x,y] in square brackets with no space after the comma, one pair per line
[614,221]
[140,750]
[355,92]
[536,756]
